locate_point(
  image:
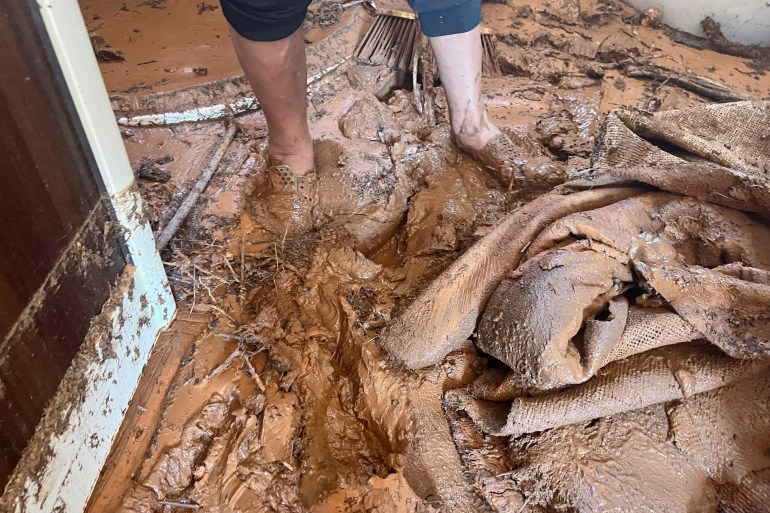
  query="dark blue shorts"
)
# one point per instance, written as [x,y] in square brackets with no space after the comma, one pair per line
[271,20]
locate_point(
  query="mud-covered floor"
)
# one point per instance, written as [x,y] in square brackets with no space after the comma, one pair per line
[287,403]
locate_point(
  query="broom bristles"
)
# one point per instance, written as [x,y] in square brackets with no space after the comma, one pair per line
[392,38]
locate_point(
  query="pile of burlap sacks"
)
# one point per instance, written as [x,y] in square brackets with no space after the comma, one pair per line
[644,280]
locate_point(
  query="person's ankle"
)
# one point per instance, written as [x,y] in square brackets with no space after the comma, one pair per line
[301,160]
[475,130]
[475,138]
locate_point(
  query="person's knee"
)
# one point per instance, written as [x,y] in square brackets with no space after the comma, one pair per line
[265,20]
[447,17]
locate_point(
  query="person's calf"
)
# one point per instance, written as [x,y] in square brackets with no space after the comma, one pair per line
[277,72]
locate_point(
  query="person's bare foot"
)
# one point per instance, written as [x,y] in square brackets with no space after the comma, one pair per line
[482,140]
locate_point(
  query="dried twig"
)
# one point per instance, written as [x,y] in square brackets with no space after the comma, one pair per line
[245,338]
[720,43]
[183,505]
[218,309]
[229,266]
[526,502]
[184,209]
[219,369]
[194,266]
[697,84]
[195,292]
[252,372]
[242,288]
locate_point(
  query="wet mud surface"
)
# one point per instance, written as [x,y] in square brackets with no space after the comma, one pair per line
[164,44]
[288,403]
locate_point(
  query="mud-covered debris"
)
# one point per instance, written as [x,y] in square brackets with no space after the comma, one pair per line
[148,169]
[720,43]
[155,4]
[206,7]
[521,12]
[175,470]
[379,80]
[369,119]
[104,52]
[652,18]
[514,60]
[565,11]
[561,135]
[702,85]
[279,425]
[326,14]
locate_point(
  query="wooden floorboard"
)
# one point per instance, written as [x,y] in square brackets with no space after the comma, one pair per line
[144,411]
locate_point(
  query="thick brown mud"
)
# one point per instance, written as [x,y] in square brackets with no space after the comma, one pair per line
[289,403]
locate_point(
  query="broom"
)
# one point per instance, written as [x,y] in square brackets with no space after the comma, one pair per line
[392,38]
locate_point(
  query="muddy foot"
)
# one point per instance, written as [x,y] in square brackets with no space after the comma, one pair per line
[498,156]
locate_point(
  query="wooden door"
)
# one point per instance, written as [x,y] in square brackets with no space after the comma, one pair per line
[58,252]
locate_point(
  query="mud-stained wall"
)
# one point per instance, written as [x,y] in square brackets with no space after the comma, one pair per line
[743,21]
[58,253]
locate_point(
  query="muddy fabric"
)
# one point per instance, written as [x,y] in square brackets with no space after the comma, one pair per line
[699,271]
[644,329]
[752,494]
[559,293]
[445,314]
[533,319]
[749,192]
[706,453]
[726,431]
[654,377]
[733,135]
[623,464]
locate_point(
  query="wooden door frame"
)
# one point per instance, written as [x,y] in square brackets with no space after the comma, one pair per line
[62,462]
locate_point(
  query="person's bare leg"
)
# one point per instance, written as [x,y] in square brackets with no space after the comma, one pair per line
[459,64]
[277,72]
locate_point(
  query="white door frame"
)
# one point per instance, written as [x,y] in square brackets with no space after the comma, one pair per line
[140,307]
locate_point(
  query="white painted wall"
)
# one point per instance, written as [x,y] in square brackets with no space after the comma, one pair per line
[743,21]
